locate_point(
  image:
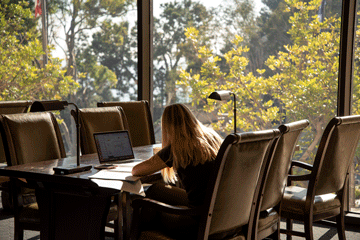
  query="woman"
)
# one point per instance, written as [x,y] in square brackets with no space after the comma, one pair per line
[189,149]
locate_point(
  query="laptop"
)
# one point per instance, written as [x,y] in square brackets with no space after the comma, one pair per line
[114,147]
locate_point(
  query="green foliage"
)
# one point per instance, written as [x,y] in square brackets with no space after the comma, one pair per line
[21,76]
[79,19]
[112,45]
[302,83]
[95,80]
[254,111]
[171,48]
[357,193]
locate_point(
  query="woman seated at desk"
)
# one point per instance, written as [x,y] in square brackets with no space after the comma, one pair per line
[189,149]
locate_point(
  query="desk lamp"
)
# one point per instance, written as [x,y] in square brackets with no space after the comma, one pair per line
[225,95]
[51,105]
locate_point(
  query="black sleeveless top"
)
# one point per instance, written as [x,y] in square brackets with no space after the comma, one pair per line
[193,178]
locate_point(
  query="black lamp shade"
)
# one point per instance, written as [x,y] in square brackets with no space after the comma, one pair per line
[49,105]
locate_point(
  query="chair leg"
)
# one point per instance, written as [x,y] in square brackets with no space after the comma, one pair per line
[289,227]
[135,224]
[118,221]
[340,224]
[276,234]
[116,229]
[308,227]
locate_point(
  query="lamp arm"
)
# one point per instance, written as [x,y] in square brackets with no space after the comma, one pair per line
[77,123]
[234,111]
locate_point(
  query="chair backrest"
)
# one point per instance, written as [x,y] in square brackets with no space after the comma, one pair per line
[31,137]
[280,166]
[94,120]
[139,119]
[10,107]
[335,154]
[242,160]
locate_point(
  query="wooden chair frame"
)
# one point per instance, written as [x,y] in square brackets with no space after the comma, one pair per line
[329,137]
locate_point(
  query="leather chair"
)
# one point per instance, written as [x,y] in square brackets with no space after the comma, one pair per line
[102,120]
[98,120]
[139,118]
[324,197]
[29,137]
[268,219]
[229,208]
[9,107]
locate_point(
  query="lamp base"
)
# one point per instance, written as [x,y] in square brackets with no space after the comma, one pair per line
[70,169]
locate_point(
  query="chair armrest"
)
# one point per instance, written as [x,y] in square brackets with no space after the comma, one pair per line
[301,165]
[304,177]
[163,207]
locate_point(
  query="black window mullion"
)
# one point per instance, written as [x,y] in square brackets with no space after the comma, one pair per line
[145,50]
[347,38]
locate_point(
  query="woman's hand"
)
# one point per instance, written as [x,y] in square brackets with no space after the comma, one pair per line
[147,167]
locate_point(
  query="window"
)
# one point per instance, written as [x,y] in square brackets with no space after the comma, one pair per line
[280,58]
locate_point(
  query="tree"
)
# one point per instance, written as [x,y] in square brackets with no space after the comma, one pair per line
[95,80]
[171,48]
[303,83]
[237,17]
[113,45]
[21,76]
[77,19]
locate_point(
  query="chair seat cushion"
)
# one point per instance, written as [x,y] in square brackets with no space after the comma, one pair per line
[294,201]
[30,213]
[238,236]
[270,218]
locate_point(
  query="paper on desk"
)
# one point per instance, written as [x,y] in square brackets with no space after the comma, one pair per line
[124,167]
[132,187]
[108,174]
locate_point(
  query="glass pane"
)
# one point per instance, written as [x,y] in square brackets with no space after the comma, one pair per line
[354,193]
[98,49]
[280,59]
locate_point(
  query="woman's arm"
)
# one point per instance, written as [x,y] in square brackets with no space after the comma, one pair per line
[150,166]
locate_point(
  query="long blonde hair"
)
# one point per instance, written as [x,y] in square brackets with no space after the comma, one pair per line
[191,142]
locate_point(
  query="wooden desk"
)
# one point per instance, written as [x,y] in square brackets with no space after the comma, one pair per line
[71,206]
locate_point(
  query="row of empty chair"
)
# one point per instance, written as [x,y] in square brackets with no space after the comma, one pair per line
[135,116]
[31,137]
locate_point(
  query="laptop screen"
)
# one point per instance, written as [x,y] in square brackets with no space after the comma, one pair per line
[113,146]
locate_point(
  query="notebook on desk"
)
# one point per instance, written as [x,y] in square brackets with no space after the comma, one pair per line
[114,146]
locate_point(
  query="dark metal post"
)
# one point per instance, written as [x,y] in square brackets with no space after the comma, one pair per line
[44,32]
[234,112]
[77,123]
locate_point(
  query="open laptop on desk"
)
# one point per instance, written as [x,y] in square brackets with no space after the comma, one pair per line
[114,147]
